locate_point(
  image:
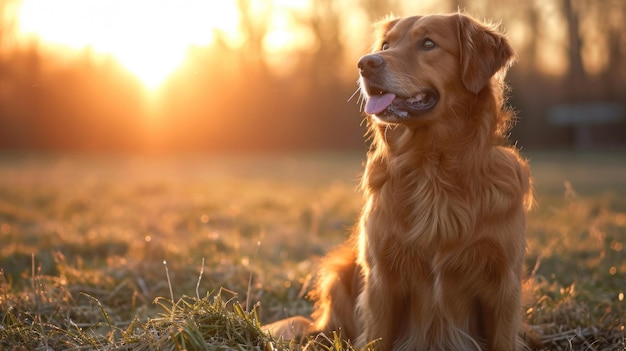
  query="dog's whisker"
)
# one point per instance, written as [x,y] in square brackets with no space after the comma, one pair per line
[362,100]
[358,89]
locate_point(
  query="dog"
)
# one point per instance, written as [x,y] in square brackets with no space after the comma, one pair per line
[436,259]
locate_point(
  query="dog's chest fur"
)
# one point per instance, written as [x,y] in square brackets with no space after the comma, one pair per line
[411,213]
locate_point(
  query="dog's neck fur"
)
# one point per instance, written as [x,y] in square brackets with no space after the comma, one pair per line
[437,145]
[408,164]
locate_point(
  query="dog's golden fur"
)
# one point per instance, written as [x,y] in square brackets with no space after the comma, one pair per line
[435,261]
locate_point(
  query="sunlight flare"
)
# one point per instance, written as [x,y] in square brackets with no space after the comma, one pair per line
[150,38]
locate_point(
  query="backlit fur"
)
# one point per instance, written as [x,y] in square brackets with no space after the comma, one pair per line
[436,260]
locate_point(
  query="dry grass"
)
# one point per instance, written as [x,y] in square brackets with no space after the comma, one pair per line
[83,243]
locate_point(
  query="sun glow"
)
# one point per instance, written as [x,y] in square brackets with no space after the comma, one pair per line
[150,38]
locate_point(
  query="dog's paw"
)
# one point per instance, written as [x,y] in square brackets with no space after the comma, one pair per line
[289,328]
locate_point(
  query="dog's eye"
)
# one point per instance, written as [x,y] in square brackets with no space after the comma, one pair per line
[428,44]
[385,46]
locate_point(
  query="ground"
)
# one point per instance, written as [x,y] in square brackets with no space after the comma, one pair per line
[195,252]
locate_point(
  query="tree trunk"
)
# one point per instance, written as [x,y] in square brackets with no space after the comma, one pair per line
[577,75]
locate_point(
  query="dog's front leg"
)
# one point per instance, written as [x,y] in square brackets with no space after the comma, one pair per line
[481,285]
[376,311]
[502,320]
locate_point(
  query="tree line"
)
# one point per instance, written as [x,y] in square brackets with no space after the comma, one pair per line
[237,98]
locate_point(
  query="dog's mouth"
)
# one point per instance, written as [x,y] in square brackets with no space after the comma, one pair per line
[385,104]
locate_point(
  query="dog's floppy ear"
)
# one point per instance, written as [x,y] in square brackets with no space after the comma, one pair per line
[483,52]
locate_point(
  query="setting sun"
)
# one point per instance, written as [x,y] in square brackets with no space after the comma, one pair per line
[150,38]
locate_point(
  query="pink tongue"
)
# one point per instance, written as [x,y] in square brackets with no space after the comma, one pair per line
[378,103]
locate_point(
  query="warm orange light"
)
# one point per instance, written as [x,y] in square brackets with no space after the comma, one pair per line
[148,37]
[285,35]
[151,38]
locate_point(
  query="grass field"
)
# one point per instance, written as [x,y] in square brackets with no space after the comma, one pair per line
[192,253]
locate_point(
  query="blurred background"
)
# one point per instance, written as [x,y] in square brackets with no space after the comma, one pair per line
[145,76]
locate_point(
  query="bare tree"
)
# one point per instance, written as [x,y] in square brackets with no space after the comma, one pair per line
[615,28]
[324,21]
[254,26]
[577,74]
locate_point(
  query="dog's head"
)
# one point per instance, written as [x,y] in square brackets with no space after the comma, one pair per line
[420,64]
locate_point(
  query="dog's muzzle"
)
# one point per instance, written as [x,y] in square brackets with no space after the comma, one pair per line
[384,103]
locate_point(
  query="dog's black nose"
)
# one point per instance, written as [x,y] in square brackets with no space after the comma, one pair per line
[370,64]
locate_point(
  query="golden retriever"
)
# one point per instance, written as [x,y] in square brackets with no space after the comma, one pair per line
[435,261]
